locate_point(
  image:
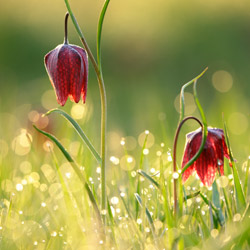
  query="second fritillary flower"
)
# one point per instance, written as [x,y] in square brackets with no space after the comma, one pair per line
[212,157]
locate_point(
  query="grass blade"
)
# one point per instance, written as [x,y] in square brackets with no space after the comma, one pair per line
[78,129]
[76,169]
[99,33]
[246,177]
[216,202]
[142,173]
[149,217]
[239,195]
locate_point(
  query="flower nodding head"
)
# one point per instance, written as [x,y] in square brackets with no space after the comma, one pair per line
[67,67]
[211,158]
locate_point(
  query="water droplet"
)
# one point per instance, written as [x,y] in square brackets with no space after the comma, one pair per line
[139,221]
[54,234]
[122,194]
[114,200]
[237,217]
[19,187]
[214,233]
[68,175]
[175,175]
[104,212]
[43,204]
[158,153]
[133,174]
[145,151]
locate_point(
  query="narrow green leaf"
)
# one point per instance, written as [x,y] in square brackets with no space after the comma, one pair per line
[148,215]
[76,169]
[246,177]
[132,219]
[239,195]
[216,202]
[138,179]
[182,99]
[142,173]
[189,196]
[110,213]
[80,132]
[208,202]
[99,32]
[211,215]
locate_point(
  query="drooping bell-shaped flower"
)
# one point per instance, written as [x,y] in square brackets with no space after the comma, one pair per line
[67,67]
[211,158]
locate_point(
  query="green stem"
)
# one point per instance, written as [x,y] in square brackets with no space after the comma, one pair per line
[103,99]
[174,155]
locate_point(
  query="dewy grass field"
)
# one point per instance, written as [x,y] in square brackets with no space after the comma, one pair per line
[61,191]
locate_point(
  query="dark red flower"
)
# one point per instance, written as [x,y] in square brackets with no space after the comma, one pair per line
[211,158]
[67,67]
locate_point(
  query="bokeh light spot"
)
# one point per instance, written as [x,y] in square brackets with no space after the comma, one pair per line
[127,162]
[150,139]
[78,111]
[222,81]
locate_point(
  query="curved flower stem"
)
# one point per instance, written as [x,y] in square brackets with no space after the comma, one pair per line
[98,71]
[174,155]
[181,121]
[66,29]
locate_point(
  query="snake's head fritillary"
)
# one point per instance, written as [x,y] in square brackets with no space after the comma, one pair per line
[67,67]
[211,158]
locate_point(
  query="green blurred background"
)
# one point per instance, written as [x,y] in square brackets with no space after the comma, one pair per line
[150,48]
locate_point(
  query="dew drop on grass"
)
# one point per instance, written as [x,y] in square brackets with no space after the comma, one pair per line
[98,170]
[139,221]
[133,174]
[19,187]
[158,153]
[122,142]
[214,233]
[43,204]
[114,160]
[103,212]
[237,217]
[114,200]
[54,234]
[175,175]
